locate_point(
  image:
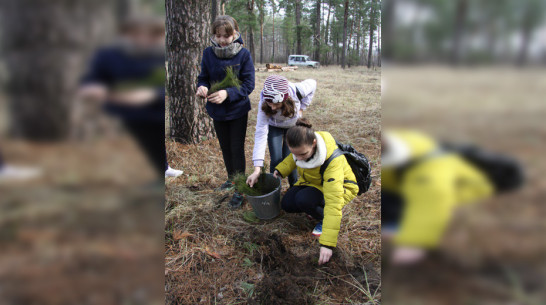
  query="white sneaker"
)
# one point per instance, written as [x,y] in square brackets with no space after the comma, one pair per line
[10,172]
[171,172]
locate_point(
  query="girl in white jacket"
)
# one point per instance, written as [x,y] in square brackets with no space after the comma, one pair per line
[281,104]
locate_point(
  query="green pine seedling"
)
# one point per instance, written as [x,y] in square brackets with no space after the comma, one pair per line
[230,80]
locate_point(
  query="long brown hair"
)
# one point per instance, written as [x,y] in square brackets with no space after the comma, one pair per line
[288,108]
[301,134]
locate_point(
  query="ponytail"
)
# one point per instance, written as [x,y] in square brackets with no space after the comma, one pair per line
[301,134]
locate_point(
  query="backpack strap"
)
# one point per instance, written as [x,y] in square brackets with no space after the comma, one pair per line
[298,93]
[323,167]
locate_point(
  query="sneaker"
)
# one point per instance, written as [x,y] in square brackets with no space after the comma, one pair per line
[171,172]
[18,173]
[228,185]
[236,201]
[317,231]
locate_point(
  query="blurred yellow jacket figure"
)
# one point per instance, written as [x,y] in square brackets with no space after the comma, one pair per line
[337,193]
[430,183]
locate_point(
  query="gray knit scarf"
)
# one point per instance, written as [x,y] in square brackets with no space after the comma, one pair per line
[228,51]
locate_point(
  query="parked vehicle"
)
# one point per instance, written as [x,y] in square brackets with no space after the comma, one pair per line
[302,60]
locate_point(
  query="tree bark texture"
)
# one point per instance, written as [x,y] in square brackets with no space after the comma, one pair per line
[45,47]
[373,13]
[216,9]
[187,37]
[298,5]
[317,30]
[344,48]
[250,41]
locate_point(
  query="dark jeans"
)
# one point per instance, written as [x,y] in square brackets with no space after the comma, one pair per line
[304,199]
[151,138]
[391,209]
[278,149]
[231,135]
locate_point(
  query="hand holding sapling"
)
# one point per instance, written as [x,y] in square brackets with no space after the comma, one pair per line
[229,81]
[252,179]
[218,97]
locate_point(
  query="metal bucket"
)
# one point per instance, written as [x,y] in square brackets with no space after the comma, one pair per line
[267,206]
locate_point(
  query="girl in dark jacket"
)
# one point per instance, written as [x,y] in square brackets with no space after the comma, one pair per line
[229,107]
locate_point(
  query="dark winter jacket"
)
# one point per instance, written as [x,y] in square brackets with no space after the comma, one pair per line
[213,69]
[117,69]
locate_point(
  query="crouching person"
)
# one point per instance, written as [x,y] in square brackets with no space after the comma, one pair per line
[320,196]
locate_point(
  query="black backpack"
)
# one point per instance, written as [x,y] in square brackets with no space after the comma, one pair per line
[358,162]
[505,172]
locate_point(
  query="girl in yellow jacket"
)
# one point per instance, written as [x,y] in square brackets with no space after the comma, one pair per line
[421,188]
[321,197]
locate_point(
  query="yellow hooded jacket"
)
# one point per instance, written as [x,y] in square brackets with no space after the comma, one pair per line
[339,186]
[431,189]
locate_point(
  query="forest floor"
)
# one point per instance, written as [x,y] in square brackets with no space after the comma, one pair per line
[86,230]
[212,256]
[493,252]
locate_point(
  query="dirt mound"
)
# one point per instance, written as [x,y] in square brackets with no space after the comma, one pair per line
[291,272]
[282,288]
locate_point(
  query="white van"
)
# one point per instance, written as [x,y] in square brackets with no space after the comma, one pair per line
[302,60]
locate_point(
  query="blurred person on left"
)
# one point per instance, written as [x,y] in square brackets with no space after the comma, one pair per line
[424,181]
[129,77]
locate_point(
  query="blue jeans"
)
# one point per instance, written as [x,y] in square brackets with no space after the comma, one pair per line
[278,149]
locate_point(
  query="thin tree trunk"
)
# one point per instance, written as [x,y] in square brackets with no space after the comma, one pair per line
[187,34]
[298,27]
[460,20]
[526,31]
[317,31]
[338,51]
[373,13]
[350,43]
[327,29]
[250,41]
[344,50]
[274,38]
[216,9]
[357,49]
[262,32]
[387,26]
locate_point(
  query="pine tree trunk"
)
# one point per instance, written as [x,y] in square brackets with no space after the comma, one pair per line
[344,50]
[45,47]
[187,37]
[460,20]
[250,41]
[317,31]
[262,32]
[273,55]
[298,28]
[216,9]
[327,30]
[387,26]
[372,30]
[358,37]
